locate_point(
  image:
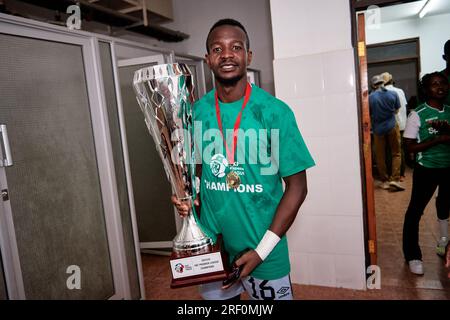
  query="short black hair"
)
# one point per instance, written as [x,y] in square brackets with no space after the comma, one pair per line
[228,22]
[426,81]
[447,48]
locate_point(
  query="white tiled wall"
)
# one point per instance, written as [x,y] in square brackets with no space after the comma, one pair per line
[315,75]
[302,27]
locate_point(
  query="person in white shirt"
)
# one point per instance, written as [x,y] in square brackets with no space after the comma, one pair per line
[401,115]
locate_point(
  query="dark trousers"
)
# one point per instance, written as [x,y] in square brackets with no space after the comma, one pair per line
[425,182]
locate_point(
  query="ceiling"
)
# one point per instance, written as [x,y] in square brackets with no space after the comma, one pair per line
[411,10]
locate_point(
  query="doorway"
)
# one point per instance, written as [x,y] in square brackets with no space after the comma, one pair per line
[401,58]
[400,43]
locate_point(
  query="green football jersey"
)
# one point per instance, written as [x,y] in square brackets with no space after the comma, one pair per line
[437,156]
[269,147]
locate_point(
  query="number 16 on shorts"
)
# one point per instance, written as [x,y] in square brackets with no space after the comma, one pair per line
[279,289]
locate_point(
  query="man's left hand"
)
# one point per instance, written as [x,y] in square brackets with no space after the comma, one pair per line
[249,260]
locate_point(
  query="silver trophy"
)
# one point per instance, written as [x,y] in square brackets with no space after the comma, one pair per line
[165,95]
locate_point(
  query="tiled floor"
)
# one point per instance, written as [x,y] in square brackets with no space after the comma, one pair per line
[396,281]
[390,209]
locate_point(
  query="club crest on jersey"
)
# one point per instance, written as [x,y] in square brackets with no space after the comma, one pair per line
[218,165]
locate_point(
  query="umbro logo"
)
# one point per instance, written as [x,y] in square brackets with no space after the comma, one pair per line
[283,290]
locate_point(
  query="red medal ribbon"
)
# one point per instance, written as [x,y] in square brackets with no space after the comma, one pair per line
[230,154]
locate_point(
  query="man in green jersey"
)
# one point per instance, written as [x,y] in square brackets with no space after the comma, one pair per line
[427,134]
[249,144]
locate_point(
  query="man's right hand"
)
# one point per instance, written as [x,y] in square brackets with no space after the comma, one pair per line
[183,207]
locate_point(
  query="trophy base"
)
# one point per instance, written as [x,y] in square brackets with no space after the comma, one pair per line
[202,266]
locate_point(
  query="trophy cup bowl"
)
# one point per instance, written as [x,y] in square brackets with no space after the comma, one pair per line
[165,95]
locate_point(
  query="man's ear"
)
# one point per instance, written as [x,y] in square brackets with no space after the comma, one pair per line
[249,57]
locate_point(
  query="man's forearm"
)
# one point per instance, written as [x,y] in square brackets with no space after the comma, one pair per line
[293,197]
[413,147]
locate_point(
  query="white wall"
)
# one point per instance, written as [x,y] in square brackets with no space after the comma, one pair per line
[315,74]
[433,31]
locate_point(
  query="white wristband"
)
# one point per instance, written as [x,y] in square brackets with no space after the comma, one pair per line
[266,245]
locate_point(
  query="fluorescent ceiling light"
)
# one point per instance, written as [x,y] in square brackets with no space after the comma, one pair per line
[425,9]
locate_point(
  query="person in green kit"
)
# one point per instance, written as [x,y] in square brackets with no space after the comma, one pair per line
[427,134]
[446,71]
[241,187]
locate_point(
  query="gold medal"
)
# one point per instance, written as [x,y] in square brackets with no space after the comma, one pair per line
[233,180]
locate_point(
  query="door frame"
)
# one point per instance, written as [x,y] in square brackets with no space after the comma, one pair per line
[415,58]
[360,58]
[97,102]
